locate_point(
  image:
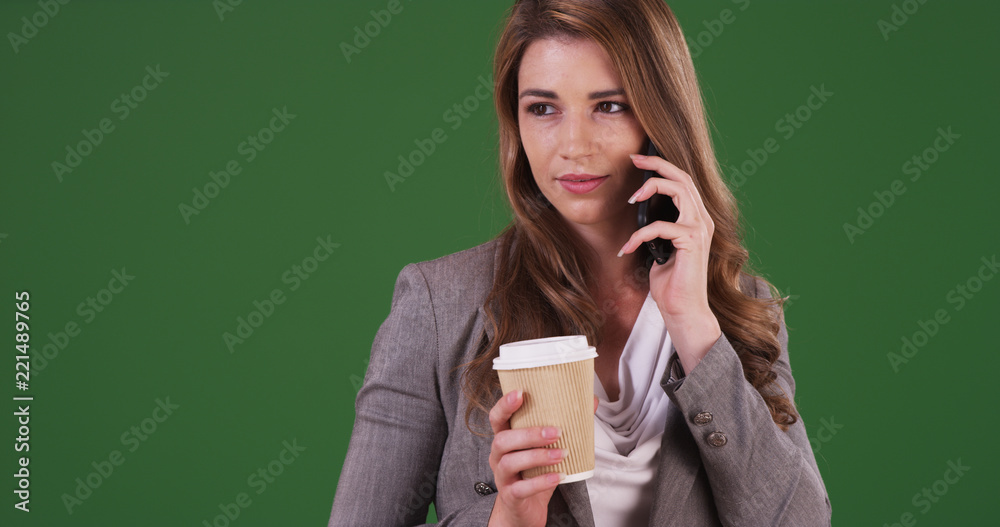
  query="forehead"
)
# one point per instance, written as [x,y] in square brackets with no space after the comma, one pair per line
[566,62]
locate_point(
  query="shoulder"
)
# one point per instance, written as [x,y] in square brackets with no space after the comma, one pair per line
[466,275]
[470,264]
[755,286]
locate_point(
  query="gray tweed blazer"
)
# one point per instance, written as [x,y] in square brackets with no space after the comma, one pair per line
[723,461]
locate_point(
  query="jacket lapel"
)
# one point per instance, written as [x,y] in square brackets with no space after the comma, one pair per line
[578,500]
[679,461]
[679,464]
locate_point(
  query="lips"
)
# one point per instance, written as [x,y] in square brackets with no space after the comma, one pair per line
[581,183]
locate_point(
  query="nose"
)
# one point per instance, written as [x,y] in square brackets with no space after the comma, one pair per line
[576,136]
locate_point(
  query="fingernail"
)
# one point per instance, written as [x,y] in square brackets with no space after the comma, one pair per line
[557,453]
[512,397]
[555,477]
[634,197]
[622,251]
[550,432]
[637,156]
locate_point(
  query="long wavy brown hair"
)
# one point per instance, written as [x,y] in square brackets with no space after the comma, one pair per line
[540,282]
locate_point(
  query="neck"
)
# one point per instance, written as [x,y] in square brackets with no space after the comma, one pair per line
[610,273]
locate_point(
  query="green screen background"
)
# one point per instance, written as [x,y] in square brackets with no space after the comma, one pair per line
[888,434]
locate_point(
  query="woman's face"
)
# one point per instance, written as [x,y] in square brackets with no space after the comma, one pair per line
[578,131]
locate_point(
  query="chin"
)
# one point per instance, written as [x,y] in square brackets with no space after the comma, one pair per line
[586,216]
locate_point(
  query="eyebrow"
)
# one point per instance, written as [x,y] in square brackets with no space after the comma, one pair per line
[552,95]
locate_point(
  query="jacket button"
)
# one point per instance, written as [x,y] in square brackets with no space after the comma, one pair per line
[717,438]
[484,489]
[703,418]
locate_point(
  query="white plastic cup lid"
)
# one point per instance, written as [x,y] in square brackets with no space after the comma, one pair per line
[543,352]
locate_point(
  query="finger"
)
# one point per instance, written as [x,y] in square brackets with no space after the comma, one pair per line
[662,167]
[511,465]
[670,172]
[683,237]
[508,441]
[503,409]
[684,197]
[525,438]
[527,488]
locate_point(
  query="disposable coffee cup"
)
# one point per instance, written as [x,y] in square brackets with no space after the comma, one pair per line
[556,376]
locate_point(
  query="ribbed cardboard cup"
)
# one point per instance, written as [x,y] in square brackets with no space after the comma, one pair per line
[556,376]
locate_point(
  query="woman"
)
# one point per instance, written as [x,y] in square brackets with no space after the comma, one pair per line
[696,423]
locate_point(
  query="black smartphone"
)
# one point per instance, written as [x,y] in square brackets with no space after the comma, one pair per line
[659,207]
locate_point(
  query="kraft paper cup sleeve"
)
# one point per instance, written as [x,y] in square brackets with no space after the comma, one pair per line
[559,395]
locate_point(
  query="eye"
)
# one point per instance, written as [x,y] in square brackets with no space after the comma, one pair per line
[608,106]
[534,109]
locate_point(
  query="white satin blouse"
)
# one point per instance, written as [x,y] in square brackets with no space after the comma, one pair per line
[627,431]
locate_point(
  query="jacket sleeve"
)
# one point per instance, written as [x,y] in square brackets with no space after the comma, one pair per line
[390,473]
[759,474]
